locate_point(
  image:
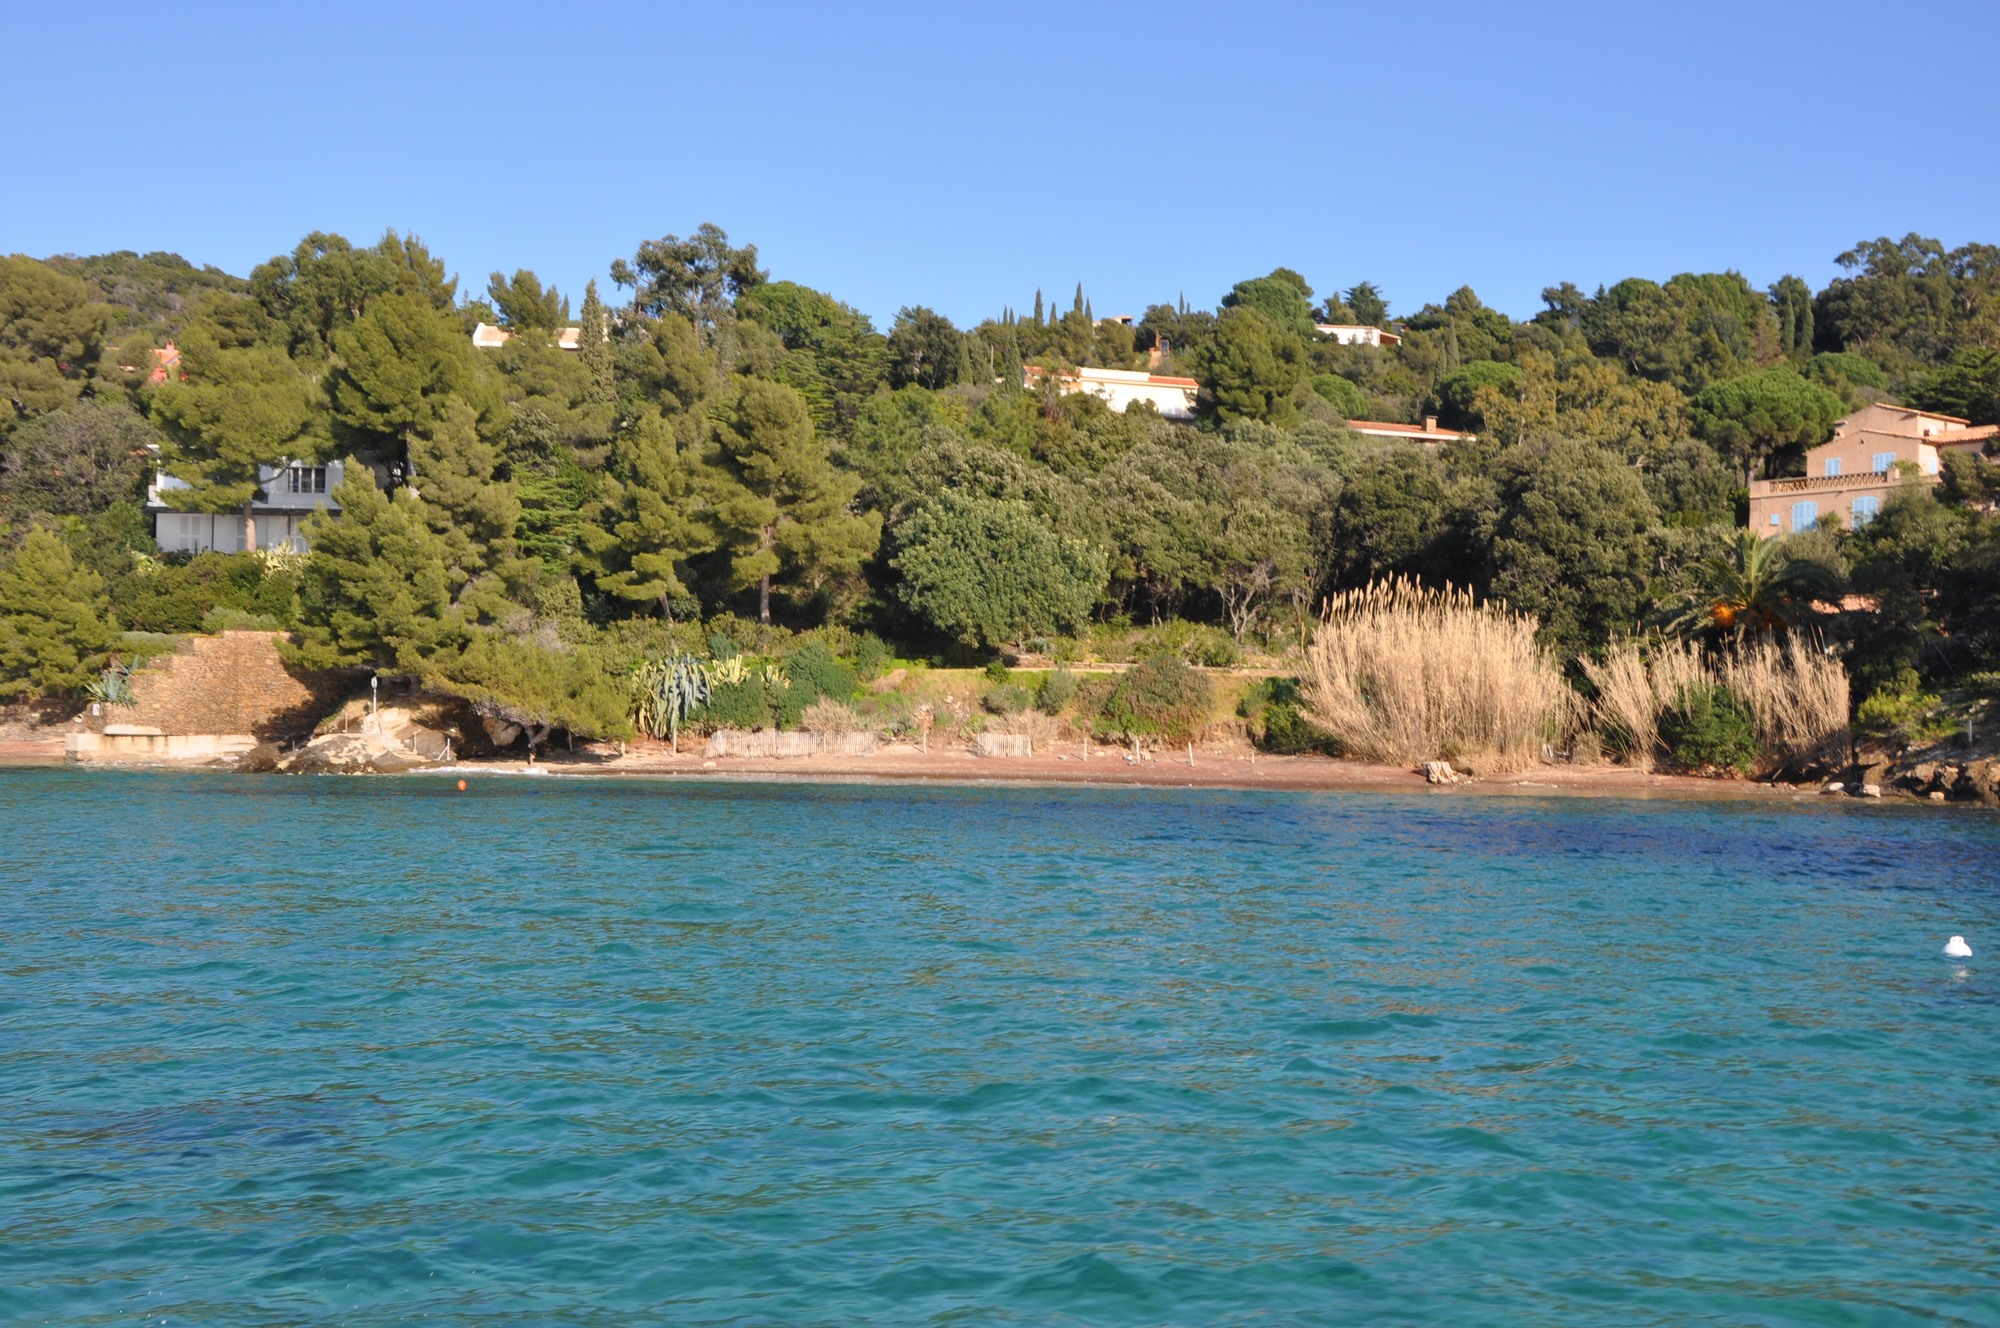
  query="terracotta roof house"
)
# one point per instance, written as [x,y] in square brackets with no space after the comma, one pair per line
[1121,388]
[1427,432]
[166,364]
[1849,476]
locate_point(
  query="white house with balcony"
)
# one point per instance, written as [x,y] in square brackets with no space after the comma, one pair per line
[291,491]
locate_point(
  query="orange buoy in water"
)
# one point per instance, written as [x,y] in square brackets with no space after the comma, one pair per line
[461,786]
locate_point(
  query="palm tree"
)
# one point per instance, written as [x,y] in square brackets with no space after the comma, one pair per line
[1752,588]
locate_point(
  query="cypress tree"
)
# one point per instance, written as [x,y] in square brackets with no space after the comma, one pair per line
[594,343]
[1038,306]
[1076,307]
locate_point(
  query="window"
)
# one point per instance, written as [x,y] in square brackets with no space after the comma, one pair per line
[1884,460]
[1865,508]
[1777,520]
[306,479]
[1833,465]
[1805,515]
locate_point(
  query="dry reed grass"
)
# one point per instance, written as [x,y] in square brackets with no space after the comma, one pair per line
[1037,727]
[1797,695]
[1399,672]
[828,718]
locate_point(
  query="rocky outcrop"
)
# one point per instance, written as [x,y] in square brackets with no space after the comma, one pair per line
[352,754]
[1931,778]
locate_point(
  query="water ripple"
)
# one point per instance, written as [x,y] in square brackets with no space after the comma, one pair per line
[623,1053]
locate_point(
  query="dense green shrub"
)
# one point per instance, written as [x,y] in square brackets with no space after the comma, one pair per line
[1160,697]
[815,669]
[1196,643]
[997,671]
[1270,709]
[1007,699]
[1057,689]
[1709,727]
[1902,712]
[218,620]
[871,657]
[740,705]
[174,594]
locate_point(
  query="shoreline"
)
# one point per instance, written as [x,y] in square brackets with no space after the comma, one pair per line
[1107,767]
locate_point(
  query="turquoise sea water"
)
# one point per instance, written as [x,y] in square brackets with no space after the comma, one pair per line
[577,1052]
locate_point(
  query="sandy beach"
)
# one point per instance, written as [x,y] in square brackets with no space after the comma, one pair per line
[1105,765]
[1166,770]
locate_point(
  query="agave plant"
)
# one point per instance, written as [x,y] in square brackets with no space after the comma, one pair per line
[665,692]
[730,672]
[113,687]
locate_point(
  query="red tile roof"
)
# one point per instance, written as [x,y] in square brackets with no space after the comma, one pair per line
[1415,430]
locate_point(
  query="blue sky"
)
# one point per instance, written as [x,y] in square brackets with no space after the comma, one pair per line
[962,155]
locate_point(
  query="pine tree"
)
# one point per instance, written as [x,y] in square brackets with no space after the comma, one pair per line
[377,586]
[787,510]
[400,363]
[237,409]
[474,513]
[593,345]
[655,516]
[55,632]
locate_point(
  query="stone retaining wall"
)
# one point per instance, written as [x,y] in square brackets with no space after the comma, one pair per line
[235,683]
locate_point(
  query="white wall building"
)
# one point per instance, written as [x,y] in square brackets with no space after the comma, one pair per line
[291,493]
[1355,334]
[1120,388]
[488,337]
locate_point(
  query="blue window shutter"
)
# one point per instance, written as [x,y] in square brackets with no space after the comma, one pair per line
[1833,465]
[1805,515]
[1865,509]
[1884,460]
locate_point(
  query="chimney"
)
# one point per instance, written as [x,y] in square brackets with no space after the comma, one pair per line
[1430,424]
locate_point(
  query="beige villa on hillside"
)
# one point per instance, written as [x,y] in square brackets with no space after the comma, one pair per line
[1849,476]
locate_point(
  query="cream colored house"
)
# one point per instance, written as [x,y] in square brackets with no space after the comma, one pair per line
[1122,388]
[1849,476]
[1357,334]
[488,337]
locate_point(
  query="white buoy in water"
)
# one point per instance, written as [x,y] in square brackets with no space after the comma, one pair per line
[1956,948]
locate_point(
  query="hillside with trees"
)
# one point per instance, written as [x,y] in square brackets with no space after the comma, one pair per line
[729,463]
